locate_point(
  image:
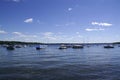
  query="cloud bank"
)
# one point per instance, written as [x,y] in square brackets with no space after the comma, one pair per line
[2,32]
[101,24]
[94,29]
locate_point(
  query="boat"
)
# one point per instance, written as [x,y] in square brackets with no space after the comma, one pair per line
[4,45]
[63,47]
[10,48]
[18,46]
[38,48]
[108,46]
[24,46]
[77,46]
[41,47]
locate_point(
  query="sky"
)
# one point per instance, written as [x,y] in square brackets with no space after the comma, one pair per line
[60,21]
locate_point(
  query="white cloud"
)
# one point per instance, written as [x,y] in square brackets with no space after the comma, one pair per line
[2,32]
[29,20]
[56,37]
[69,9]
[24,37]
[94,29]
[19,34]
[101,24]
[49,35]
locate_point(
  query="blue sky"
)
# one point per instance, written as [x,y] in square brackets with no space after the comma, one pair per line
[60,20]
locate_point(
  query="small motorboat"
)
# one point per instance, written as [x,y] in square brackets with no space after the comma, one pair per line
[10,48]
[63,47]
[77,46]
[17,46]
[108,46]
[38,48]
[41,47]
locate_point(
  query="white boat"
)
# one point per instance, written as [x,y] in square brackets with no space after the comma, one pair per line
[41,47]
[63,47]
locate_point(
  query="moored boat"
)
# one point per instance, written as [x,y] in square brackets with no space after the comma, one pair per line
[41,47]
[108,46]
[63,47]
[38,48]
[10,48]
[18,46]
[77,46]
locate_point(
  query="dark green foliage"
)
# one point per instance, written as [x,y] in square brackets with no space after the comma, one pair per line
[116,43]
[17,42]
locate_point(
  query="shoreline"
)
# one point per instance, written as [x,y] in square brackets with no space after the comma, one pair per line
[39,43]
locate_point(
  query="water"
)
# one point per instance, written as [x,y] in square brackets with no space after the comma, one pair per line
[90,63]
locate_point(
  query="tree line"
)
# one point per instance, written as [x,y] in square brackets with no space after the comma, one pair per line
[17,42]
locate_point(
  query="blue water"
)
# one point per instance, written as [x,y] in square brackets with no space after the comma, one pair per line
[90,63]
